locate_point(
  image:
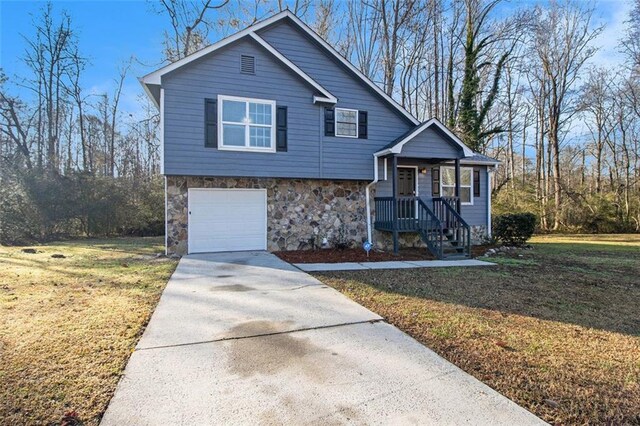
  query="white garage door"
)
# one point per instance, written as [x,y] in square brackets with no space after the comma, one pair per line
[227,220]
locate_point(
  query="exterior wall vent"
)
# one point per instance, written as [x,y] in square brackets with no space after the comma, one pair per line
[247,64]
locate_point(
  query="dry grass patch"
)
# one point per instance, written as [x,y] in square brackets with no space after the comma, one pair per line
[68,325]
[556,330]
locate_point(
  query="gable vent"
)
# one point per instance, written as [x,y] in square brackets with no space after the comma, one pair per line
[247,64]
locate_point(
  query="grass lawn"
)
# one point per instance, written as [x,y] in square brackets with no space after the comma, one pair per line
[556,330]
[68,325]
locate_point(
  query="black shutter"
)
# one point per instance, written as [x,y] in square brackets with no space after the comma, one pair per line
[210,123]
[362,125]
[281,129]
[329,122]
[476,183]
[435,182]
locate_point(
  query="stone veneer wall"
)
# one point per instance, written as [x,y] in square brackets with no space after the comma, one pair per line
[297,209]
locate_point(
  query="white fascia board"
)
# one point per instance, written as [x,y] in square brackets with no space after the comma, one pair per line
[323,100]
[154,77]
[352,68]
[327,95]
[148,92]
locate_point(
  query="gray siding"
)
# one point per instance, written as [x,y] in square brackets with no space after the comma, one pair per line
[184,93]
[475,214]
[429,144]
[343,158]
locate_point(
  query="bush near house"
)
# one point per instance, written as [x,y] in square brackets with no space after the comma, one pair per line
[514,229]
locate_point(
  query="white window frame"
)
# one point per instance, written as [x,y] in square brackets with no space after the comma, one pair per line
[247,126]
[442,185]
[357,122]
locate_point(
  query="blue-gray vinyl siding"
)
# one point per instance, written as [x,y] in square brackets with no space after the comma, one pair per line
[342,157]
[430,144]
[219,74]
[475,214]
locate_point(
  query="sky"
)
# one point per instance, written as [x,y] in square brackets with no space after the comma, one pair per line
[110,32]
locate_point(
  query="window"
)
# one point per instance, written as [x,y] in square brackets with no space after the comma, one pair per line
[448,183]
[246,124]
[347,122]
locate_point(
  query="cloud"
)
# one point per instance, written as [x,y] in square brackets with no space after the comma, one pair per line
[614,14]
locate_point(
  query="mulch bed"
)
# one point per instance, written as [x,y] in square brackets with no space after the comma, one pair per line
[359,255]
[350,255]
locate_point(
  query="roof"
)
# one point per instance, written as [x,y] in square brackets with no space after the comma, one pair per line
[395,147]
[152,81]
[478,158]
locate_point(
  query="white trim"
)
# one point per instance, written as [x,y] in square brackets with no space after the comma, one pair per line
[246,147]
[367,194]
[266,211]
[336,122]
[471,197]
[489,174]
[328,97]
[385,168]
[155,77]
[351,67]
[166,219]
[161,130]
[397,148]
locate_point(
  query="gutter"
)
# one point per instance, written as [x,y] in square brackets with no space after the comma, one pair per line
[368,196]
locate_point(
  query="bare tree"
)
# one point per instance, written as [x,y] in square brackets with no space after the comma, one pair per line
[563,42]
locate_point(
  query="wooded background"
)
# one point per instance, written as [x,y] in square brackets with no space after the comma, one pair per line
[519,84]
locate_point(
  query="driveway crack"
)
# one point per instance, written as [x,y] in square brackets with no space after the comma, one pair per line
[276,333]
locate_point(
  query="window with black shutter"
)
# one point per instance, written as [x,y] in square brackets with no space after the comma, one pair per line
[210,123]
[363,124]
[281,128]
[476,183]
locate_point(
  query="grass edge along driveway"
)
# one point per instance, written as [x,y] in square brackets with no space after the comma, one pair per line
[68,324]
[556,328]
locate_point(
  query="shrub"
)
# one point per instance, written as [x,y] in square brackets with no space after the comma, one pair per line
[514,228]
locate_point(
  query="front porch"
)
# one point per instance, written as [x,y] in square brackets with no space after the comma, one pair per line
[435,218]
[423,189]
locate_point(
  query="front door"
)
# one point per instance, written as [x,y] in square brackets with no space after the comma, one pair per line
[406,188]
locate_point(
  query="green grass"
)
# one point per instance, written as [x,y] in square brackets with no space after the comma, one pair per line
[68,325]
[555,328]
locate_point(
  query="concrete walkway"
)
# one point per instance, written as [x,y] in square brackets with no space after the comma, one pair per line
[395,264]
[245,338]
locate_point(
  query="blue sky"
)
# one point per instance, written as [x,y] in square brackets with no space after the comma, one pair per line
[111,32]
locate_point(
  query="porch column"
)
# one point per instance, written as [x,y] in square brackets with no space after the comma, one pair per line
[394,194]
[458,185]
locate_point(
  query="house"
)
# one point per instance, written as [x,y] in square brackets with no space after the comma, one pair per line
[272,140]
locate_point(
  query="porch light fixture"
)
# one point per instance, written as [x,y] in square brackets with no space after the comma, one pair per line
[423,170]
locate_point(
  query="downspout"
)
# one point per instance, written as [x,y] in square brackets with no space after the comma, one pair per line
[489,173]
[368,196]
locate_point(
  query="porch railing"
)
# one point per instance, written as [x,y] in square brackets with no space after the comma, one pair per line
[412,214]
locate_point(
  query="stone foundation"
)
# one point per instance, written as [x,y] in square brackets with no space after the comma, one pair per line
[298,210]
[384,240]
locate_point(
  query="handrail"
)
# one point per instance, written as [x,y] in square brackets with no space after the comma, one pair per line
[453,221]
[427,223]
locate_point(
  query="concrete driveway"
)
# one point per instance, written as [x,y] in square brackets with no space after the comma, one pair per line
[245,338]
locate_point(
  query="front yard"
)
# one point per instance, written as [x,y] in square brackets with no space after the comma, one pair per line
[68,324]
[557,330]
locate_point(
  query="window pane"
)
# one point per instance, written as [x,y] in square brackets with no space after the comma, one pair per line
[232,135]
[346,129]
[465,195]
[233,111]
[465,177]
[448,175]
[260,113]
[260,137]
[346,123]
[448,191]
